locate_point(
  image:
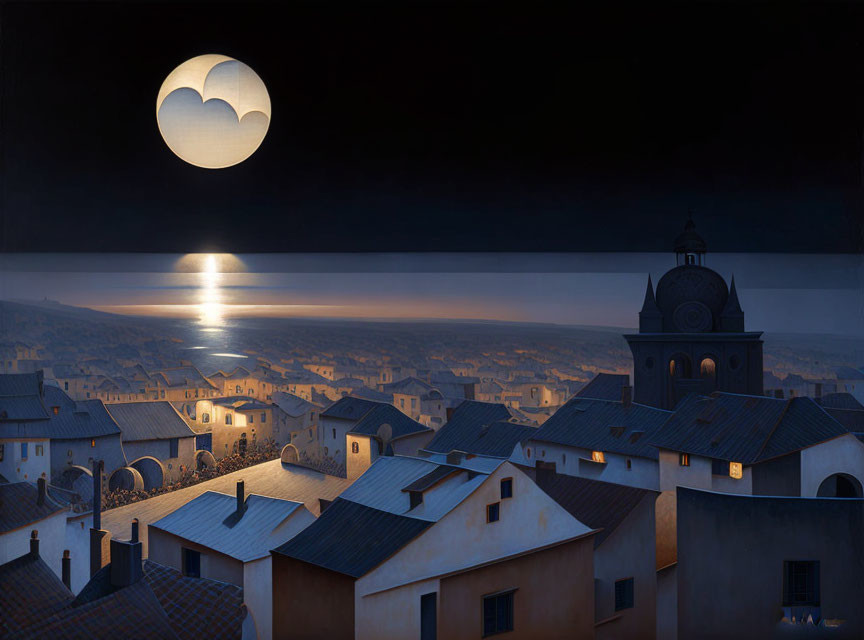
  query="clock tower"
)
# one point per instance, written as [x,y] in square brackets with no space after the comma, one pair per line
[691,333]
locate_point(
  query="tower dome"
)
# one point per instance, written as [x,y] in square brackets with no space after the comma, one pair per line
[691,299]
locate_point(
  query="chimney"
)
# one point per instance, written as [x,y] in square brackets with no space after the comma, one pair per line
[66,570]
[98,465]
[42,485]
[449,413]
[34,543]
[126,557]
[99,539]
[238,512]
[626,395]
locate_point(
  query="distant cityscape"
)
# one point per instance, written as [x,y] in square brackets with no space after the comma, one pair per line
[304,478]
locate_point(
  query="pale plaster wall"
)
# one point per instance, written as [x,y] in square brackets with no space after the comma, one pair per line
[840,455]
[463,538]
[17,469]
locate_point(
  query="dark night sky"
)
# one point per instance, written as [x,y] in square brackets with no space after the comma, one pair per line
[431,126]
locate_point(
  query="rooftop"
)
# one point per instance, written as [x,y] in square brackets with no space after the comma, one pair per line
[201,520]
[149,421]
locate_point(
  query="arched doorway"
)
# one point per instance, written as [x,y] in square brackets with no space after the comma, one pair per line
[290,454]
[152,471]
[840,485]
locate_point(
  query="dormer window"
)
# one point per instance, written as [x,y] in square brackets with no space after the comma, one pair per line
[415,498]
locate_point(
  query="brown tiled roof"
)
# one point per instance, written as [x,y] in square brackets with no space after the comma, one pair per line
[29,592]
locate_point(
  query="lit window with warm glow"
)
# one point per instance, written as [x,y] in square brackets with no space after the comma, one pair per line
[707,368]
[736,470]
[597,456]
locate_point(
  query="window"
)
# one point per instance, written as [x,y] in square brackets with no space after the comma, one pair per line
[173,447]
[497,613]
[624,594]
[312,416]
[310,433]
[191,563]
[56,410]
[597,456]
[251,419]
[205,418]
[493,512]
[801,583]
[708,368]
[506,488]
[162,393]
[402,402]
[629,464]
[92,442]
[736,470]
[227,418]
[415,498]
[684,459]
[263,418]
[23,450]
[40,450]
[334,435]
[528,452]
[2,452]
[719,467]
[66,386]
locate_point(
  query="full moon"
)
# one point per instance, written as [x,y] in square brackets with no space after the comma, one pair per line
[213,111]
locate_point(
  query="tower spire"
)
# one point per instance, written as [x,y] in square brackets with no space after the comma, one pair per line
[732,317]
[650,318]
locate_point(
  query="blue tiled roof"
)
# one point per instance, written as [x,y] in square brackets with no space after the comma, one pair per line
[352,539]
[85,419]
[380,414]
[20,397]
[605,386]
[746,429]
[464,426]
[604,425]
[149,421]
[18,506]
[349,408]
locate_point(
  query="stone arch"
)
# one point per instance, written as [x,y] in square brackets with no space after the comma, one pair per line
[78,479]
[204,460]
[840,485]
[152,471]
[290,454]
[126,478]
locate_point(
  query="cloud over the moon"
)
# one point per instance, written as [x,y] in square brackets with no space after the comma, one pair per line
[213,111]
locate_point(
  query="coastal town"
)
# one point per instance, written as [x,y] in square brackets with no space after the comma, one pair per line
[408,484]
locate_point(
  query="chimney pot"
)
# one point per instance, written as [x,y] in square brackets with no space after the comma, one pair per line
[66,570]
[241,501]
[42,485]
[34,543]
[134,530]
[98,465]
[626,395]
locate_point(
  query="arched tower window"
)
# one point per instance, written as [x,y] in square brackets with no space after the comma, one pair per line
[708,369]
[679,366]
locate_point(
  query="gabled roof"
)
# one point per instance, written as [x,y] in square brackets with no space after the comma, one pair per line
[604,386]
[149,421]
[18,507]
[21,398]
[400,424]
[386,483]
[850,419]
[746,429]
[201,520]
[293,405]
[184,376]
[596,504]
[840,401]
[497,439]
[83,419]
[849,373]
[409,385]
[349,408]
[185,607]
[604,425]
[352,539]
[463,427]
[29,592]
